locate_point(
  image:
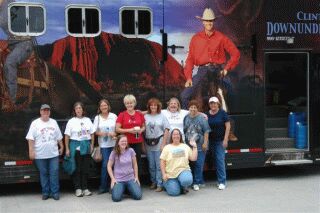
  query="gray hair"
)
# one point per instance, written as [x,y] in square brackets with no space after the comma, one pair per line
[130,98]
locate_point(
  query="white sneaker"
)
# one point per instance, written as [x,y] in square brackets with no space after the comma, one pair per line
[196,187]
[79,193]
[86,192]
[221,186]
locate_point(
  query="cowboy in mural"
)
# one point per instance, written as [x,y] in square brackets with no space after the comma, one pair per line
[20,49]
[208,50]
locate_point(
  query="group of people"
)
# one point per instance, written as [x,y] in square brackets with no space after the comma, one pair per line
[175,142]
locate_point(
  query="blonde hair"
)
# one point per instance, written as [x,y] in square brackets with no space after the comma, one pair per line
[130,98]
[176,100]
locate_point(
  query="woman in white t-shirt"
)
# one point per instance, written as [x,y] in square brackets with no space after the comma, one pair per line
[79,142]
[43,137]
[104,126]
[175,115]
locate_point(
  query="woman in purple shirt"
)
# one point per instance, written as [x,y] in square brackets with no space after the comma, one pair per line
[124,174]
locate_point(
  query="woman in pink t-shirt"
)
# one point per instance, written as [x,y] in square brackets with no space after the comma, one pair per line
[124,174]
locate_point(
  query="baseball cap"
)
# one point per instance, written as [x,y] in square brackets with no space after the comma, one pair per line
[214,99]
[44,106]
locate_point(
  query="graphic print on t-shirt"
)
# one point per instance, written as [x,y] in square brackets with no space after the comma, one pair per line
[83,133]
[178,153]
[193,131]
[47,134]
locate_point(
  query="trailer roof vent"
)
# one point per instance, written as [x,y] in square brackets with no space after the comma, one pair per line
[83,20]
[135,21]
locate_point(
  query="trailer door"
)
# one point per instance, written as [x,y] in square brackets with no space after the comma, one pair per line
[314,107]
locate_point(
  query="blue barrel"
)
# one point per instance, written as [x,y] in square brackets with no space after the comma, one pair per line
[301,135]
[291,124]
[293,118]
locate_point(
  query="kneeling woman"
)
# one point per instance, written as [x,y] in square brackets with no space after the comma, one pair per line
[175,169]
[124,174]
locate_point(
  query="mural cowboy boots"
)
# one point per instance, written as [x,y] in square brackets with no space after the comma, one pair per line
[232,136]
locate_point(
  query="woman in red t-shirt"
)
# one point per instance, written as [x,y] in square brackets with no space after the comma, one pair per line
[131,123]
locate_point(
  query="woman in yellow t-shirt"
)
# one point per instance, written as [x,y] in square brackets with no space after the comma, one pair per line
[176,173]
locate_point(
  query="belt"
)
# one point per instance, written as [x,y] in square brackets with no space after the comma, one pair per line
[210,65]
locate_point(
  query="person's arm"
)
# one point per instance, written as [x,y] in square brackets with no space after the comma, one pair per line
[121,130]
[135,169]
[205,141]
[194,153]
[66,141]
[163,170]
[92,143]
[189,64]
[110,171]
[165,138]
[31,149]
[234,53]
[60,147]
[226,134]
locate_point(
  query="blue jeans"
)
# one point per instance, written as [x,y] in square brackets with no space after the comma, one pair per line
[49,175]
[218,152]
[198,168]
[19,53]
[132,186]
[154,167]
[104,177]
[174,186]
[204,72]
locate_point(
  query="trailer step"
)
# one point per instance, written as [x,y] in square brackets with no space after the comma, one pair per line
[276,132]
[277,122]
[276,111]
[290,162]
[285,150]
[272,143]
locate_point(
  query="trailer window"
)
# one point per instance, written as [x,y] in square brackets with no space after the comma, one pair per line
[135,21]
[83,20]
[26,19]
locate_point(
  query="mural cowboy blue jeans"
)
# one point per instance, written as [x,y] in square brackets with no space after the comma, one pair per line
[49,175]
[20,51]
[210,72]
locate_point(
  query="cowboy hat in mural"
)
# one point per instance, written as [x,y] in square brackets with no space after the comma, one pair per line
[207,15]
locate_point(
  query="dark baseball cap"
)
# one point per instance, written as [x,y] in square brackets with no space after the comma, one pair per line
[44,106]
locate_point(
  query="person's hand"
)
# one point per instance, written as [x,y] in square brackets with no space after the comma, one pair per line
[193,143]
[162,146]
[113,182]
[188,83]
[165,177]
[112,134]
[225,143]
[32,155]
[143,149]
[61,151]
[137,181]
[204,147]
[91,148]
[67,152]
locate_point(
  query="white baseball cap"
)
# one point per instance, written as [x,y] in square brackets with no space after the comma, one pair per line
[214,99]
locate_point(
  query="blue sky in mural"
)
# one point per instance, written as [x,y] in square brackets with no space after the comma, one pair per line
[179,22]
